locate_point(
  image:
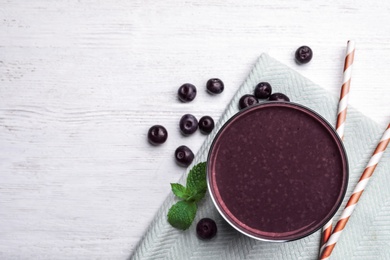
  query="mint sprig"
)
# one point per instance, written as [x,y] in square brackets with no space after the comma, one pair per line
[179,190]
[182,214]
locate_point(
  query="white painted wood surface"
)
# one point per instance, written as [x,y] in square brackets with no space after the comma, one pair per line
[81,82]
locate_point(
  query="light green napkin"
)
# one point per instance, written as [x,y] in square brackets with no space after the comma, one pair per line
[367,235]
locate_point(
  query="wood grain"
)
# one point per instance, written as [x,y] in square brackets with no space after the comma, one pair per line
[82,81]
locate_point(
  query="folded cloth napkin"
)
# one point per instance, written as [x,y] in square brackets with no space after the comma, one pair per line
[367,235]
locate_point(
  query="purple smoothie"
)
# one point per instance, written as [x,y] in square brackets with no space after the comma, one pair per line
[277,171]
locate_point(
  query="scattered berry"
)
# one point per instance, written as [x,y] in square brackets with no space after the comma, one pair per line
[303,54]
[184,156]
[206,228]
[188,124]
[215,86]
[157,134]
[278,97]
[206,125]
[263,90]
[247,100]
[187,92]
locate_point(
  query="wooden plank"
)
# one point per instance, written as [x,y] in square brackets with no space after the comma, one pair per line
[82,81]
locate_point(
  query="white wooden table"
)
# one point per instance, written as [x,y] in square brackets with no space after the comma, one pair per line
[81,82]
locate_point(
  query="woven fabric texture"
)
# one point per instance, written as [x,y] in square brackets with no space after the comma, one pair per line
[367,235]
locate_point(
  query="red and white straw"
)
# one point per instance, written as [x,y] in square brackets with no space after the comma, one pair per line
[341,116]
[361,185]
[344,95]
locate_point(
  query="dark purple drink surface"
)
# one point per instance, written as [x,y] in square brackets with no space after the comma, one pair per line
[277,171]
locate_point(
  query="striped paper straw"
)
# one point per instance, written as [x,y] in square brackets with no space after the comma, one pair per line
[353,200]
[341,116]
[344,95]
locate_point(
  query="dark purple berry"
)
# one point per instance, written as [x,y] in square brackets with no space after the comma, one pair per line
[263,90]
[187,92]
[206,228]
[246,101]
[303,54]
[157,134]
[184,156]
[206,125]
[214,86]
[188,124]
[278,97]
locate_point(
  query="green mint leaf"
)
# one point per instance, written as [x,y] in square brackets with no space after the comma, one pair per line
[196,182]
[179,190]
[195,196]
[181,214]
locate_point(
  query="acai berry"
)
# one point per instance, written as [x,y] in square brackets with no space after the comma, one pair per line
[187,92]
[184,156]
[157,134]
[303,55]
[206,124]
[279,97]
[215,86]
[188,124]
[206,228]
[263,90]
[247,100]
